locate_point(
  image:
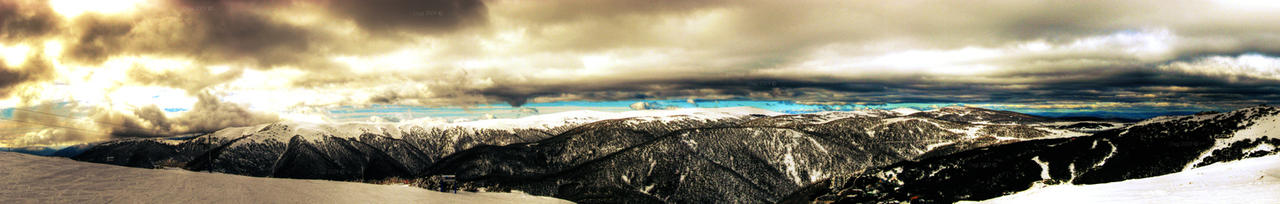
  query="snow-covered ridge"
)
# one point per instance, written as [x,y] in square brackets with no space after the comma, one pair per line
[956,109]
[531,128]
[282,131]
[1250,111]
[828,116]
[548,121]
[1264,120]
[561,120]
[1253,180]
[37,179]
[1082,126]
[977,115]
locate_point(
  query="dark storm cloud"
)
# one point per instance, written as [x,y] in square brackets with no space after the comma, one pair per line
[414,16]
[1114,84]
[1128,83]
[304,54]
[25,20]
[467,52]
[35,69]
[1094,51]
[237,33]
[740,88]
[206,31]
[221,31]
[245,32]
[192,80]
[627,89]
[99,39]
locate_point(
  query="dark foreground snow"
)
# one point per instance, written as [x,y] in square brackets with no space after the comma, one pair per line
[36,179]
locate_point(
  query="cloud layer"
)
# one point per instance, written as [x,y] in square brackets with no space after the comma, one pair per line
[285,55]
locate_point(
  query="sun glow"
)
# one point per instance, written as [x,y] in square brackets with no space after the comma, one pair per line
[1248,4]
[14,55]
[73,8]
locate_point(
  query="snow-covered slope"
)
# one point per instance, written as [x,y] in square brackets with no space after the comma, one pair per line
[1254,180]
[37,179]
[1259,136]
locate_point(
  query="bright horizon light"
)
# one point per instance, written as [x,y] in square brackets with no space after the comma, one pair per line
[70,9]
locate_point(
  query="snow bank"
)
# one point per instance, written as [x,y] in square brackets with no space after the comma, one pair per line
[1254,180]
[36,179]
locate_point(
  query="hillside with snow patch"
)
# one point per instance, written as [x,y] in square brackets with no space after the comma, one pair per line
[1155,147]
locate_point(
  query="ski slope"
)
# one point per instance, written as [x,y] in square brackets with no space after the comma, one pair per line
[36,179]
[1254,180]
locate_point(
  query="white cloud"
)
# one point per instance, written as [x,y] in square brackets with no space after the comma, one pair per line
[1237,68]
[1149,43]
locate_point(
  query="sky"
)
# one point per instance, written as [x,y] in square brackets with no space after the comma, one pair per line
[88,70]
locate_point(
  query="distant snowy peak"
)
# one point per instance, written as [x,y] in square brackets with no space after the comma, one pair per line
[554,123]
[894,115]
[544,125]
[981,115]
[835,115]
[963,110]
[282,131]
[554,120]
[543,121]
[905,111]
[560,119]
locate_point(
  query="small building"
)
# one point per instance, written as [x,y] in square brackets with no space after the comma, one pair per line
[448,183]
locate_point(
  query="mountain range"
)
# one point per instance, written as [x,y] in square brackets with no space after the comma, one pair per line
[741,155]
